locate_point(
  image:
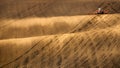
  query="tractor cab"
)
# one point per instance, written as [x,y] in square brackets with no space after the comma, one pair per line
[100,11]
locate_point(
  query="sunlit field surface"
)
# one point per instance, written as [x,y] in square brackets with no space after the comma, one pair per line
[59,34]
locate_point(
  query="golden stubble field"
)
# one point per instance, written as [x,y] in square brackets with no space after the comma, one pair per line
[63,40]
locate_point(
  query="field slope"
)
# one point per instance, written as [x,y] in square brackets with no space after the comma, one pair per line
[56,34]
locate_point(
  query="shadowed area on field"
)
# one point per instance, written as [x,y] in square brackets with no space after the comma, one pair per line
[22,9]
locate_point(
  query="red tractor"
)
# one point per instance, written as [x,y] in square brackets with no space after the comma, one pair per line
[101,11]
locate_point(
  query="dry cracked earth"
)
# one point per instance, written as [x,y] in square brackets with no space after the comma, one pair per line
[59,34]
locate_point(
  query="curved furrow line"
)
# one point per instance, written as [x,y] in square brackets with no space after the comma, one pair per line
[35,45]
[94,18]
[86,44]
[22,54]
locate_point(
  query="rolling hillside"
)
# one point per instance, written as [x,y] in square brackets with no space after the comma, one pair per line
[59,34]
